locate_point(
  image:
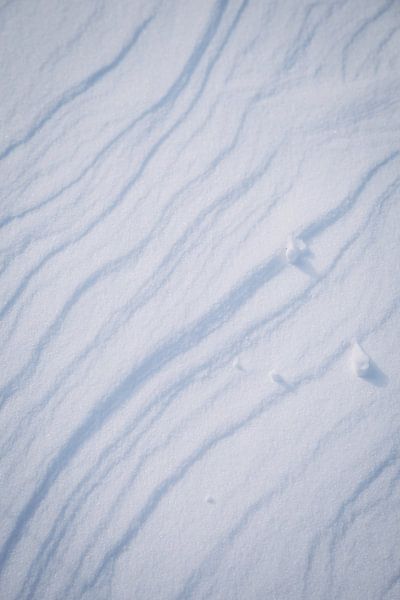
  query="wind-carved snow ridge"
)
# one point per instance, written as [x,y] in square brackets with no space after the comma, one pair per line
[199,209]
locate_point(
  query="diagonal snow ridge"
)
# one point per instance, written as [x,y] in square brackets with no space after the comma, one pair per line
[199,300]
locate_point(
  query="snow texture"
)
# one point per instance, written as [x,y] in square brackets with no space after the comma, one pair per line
[200,214]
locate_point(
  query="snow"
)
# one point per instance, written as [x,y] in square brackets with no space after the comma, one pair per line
[359,360]
[200,294]
[295,249]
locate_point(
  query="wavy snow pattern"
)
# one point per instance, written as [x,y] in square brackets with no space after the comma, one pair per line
[155,159]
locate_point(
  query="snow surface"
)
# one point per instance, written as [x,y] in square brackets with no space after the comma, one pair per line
[180,411]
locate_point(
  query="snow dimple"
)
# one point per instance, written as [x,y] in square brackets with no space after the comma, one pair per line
[360,361]
[275,376]
[237,363]
[295,248]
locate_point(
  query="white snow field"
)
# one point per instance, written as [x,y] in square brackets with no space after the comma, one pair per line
[200,294]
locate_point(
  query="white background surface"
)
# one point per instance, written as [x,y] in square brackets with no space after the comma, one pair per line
[154,160]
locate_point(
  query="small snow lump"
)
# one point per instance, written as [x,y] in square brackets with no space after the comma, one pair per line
[295,247]
[360,361]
